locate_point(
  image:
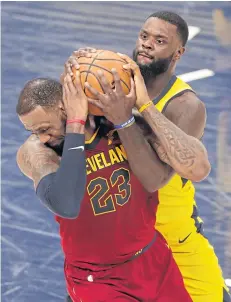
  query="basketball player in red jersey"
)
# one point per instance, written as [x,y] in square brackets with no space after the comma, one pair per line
[105,208]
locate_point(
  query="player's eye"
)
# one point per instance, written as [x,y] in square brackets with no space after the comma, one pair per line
[160,41]
[144,36]
[42,131]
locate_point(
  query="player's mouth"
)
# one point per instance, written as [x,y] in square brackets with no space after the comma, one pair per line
[144,58]
[55,142]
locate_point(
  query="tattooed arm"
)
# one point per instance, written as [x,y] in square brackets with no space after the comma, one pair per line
[143,160]
[177,133]
[35,160]
[60,186]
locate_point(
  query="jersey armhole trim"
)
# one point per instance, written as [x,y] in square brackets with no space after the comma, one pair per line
[172,98]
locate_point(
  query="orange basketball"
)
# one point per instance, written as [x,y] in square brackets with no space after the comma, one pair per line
[104,60]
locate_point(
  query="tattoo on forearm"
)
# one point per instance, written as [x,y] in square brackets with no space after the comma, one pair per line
[176,144]
[160,151]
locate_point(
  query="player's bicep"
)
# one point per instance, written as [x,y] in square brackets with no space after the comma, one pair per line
[188,113]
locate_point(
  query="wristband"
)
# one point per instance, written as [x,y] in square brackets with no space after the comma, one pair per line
[126,124]
[79,121]
[142,108]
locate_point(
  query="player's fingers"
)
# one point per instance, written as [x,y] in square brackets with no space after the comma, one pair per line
[78,83]
[86,49]
[132,93]
[96,103]
[64,92]
[138,78]
[104,83]
[73,62]
[91,49]
[85,54]
[127,66]
[70,84]
[125,58]
[65,87]
[92,90]
[68,67]
[118,86]
[133,67]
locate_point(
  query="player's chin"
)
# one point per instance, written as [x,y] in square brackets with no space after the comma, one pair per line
[142,60]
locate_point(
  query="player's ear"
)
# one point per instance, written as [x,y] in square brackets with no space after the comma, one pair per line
[179,53]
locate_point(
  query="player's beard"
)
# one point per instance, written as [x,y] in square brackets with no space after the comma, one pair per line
[153,69]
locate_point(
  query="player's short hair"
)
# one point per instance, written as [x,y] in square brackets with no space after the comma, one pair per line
[43,92]
[173,18]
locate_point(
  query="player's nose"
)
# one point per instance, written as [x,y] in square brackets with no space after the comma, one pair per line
[44,138]
[148,44]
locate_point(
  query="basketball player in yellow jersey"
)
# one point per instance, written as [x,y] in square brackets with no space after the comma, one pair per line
[165,102]
[177,118]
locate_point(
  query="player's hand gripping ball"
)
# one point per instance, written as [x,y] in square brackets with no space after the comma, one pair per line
[103,60]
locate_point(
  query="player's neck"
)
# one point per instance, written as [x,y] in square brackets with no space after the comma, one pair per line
[156,85]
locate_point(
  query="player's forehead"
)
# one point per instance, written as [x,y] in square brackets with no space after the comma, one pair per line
[158,27]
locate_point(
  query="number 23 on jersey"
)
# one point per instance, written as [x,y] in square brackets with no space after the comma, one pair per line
[100,186]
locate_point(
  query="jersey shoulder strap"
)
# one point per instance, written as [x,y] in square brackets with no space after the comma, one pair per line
[174,88]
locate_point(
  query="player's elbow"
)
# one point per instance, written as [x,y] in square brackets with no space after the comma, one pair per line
[70,213]
[158,181]
[201,171]
[155,186]
[69,209]
[62,207]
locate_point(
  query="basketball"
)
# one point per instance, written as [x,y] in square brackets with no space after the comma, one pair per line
[103,60]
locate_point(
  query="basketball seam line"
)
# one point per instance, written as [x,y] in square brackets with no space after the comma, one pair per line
[107,71]
[90,67]
[99,59]
[89,71]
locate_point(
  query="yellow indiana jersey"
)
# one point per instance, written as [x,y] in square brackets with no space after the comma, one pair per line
[177,212]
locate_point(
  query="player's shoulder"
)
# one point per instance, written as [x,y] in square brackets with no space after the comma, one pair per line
[188,101]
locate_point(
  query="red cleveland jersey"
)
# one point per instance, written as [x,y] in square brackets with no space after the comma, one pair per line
[117,214]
